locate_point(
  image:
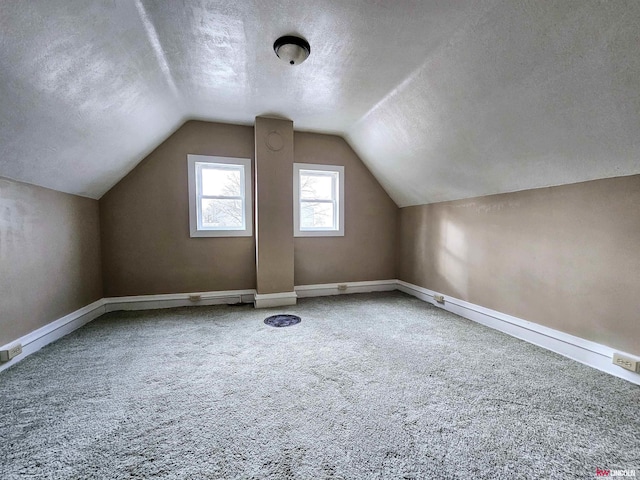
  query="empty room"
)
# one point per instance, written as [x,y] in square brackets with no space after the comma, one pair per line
[350,239]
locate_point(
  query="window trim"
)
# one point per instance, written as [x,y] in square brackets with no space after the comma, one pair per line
[194,182]
[297,232]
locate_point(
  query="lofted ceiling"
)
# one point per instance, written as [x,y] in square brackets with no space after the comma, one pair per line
[441,99]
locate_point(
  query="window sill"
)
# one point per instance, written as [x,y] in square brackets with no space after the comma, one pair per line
[320,233]
[220,233]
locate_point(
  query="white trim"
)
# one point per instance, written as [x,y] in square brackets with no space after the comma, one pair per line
[579,349]
[339,169]
[326,289]
[194,231]
[151,302]
[584,351]
[268,300]
[34,341]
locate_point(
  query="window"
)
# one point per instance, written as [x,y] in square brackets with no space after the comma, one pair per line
[318,208]
[219,196]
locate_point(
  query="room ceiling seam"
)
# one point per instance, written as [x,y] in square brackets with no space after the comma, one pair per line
[394,91]
[158,50]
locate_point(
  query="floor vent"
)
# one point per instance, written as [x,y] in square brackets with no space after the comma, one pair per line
[282,320]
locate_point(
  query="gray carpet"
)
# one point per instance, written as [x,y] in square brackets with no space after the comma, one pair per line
[367,386]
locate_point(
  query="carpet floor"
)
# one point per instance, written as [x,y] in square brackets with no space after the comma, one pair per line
[366,386]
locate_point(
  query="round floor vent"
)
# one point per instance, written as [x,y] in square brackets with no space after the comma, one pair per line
[282,320]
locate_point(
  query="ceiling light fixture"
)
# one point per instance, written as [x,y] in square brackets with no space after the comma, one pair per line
[290,49]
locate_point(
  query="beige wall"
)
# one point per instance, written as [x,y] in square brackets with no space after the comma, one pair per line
[146,247]
[274,206]
[49,256]
[368,249]
[565,257]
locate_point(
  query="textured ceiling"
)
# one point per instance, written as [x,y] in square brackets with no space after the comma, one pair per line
[441,99]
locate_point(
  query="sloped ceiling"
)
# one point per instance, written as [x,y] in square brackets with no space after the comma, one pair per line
[441,99]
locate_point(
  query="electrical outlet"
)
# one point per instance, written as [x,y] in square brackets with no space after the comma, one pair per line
[6,355]
[195,298]
[342,287]
[439,298]
[625,362]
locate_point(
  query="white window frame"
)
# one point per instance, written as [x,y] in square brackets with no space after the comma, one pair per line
[338,202]
[196,230]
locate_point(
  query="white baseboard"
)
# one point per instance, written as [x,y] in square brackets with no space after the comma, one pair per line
[34,341]
[152,302]
[268,300]
[584,351]
[326,289]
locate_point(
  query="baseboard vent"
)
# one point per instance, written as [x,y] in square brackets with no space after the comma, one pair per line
[327,289]
[152,302]
[34,341]
[593,354]
[584,351]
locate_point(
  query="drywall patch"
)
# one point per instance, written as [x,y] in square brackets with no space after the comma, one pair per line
[274,141]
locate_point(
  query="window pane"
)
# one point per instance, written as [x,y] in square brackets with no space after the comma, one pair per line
[316,215]
[317,186]
[218,181]
[217,213]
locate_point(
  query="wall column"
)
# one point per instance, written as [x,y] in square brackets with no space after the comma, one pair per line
[274,212]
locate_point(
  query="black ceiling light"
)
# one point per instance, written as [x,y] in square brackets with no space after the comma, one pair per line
[290,49]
